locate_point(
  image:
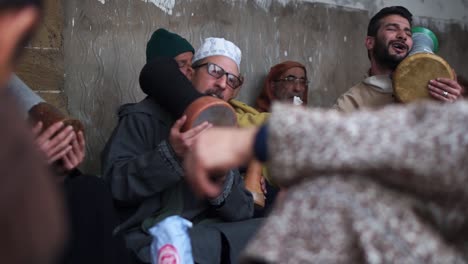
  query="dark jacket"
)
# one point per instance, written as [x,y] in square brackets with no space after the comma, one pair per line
[142,168]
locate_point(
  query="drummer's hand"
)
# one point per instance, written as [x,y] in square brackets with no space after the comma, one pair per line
[55,141]
[181,141]
[445,90]
[216,151]
[76,155]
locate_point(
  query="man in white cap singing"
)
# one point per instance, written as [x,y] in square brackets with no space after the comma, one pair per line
[143,162]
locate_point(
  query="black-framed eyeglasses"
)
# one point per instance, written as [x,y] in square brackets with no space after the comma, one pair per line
[216,71]
[294,79]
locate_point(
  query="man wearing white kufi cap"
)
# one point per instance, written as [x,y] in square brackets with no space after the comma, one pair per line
[150,139]
[216,67]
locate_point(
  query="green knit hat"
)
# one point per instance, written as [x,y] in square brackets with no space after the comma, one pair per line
[166,44]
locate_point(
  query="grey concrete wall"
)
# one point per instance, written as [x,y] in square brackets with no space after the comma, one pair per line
[105,46]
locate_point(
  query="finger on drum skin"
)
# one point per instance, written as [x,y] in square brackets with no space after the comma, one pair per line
[196,130]
[435,89]
[446,81]
[450,86]
[439,85]
[179,123]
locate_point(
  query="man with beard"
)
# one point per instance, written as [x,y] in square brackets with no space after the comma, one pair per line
[142,159]
[388,42]
[286,82]
[217,74]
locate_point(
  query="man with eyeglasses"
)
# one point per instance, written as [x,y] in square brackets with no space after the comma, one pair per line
[142,161]
[216,67]
[218,74]
[286,82]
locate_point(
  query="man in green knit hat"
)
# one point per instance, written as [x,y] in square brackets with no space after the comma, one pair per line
[167,44]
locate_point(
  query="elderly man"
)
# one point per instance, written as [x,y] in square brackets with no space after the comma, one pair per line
[167,44]
[388,42]
[142,160]
[286,82]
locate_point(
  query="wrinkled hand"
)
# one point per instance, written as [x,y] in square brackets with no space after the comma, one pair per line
[76,155]
[215,152]
[182,141]
[54,146]
[445,90]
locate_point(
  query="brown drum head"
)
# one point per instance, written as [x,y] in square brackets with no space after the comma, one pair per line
[211,109]
[413,74]
[49,115]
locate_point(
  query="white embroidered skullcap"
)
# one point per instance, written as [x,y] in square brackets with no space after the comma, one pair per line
[218,46]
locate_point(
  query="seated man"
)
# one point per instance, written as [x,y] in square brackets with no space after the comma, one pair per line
[388,42]
[142,160]
[91,215]
[277,86]
[90,211]
[286,82]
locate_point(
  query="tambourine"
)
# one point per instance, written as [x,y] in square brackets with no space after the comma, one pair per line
[412,75]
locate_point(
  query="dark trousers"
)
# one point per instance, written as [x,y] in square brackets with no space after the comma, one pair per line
[92,219]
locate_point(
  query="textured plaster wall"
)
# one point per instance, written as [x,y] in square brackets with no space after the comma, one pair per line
[42,65]
[105,46]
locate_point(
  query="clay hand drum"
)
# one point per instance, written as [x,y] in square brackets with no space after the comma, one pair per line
[210,109]
[36,109]
[412,75]
[49,115]
[164,82]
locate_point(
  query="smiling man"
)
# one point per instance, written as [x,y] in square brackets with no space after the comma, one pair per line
[388,42]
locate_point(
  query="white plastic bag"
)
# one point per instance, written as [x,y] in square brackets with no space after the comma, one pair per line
[171,241]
